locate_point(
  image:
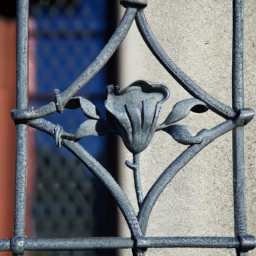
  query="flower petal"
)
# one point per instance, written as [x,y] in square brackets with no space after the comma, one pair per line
[148,114]
[134,115]
[136,93]
[133,112]
[120,122]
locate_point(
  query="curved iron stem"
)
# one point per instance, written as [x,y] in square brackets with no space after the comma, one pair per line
[188,84]
[110,48]
[135,166]
[103,57]
[178,164]
[99,171]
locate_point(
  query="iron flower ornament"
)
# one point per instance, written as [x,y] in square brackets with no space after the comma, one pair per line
[132,113]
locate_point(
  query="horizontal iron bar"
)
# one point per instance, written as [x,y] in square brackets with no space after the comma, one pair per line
[189,242]
[73,244]
[70,244]
[5,245]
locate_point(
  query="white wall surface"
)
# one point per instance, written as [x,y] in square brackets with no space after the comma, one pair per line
[197,35]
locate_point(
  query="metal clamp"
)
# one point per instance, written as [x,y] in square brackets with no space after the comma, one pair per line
[134,3]
[247,243]
[18,245]
[139,249]
[58,102]
[58,132]
[245,116]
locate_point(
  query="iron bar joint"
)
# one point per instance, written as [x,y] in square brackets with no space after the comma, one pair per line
[18,245]
[247,243]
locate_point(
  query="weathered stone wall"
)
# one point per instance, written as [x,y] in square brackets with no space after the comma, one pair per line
[197,35]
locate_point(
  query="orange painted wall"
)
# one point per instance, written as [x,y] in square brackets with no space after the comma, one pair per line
[7,128]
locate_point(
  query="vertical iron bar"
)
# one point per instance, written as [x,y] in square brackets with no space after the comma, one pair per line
[21,129]
[238,133]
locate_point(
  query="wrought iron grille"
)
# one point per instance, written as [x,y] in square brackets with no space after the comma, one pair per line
[132,113]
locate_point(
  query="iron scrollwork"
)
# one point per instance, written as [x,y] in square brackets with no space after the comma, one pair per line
[132,113]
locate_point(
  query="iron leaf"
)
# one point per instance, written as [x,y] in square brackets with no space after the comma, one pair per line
[183,135]
[92,127]
[88,108]
[182,109]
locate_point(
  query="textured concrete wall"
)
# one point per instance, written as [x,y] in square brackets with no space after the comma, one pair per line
[197,35]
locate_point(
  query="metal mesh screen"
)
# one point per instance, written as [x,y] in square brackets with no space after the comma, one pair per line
[67,200]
